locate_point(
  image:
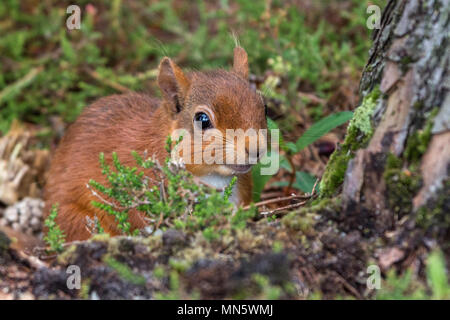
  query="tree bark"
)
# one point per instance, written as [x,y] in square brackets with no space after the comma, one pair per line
[399,170]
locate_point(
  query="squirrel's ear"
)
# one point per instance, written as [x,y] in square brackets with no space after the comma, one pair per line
[173,83]
[240,62]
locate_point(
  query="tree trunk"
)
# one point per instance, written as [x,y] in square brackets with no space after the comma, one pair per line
[396,156]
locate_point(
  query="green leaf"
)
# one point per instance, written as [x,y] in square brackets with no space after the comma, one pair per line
[304,181]
[259,181]
[271,125]
[319,129]
[284,163]
[290,146]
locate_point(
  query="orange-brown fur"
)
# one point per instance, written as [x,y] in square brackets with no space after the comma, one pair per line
[123,123]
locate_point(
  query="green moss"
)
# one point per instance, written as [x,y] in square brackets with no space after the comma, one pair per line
[334,173]
[418,142]
[405,62]
[101,237]
[159,272]
[359,132]
[401,184]
[124,271]
[260,287]
[300,221]
[4,243]
[174,292]
[305,219]
[320,205]
[120,244]
[363,114]
[267,290]
[435,213]
[67,255]
[179,265]
[277,246]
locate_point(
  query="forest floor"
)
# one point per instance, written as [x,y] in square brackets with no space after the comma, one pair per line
[308,67]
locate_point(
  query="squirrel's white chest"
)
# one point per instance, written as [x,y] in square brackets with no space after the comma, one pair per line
[221,182]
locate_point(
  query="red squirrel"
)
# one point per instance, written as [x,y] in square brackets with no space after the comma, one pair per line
[216,99]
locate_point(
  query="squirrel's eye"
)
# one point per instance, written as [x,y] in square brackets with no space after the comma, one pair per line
[203,119]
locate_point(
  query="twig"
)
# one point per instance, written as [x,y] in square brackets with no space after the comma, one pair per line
[313,192]
[95,194]
[137,204]
[348,285]
[34,262]
[313,98]
[275,211]
[270,195]
[276,200]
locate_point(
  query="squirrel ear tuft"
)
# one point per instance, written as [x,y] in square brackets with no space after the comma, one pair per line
[172,82]
[240,62]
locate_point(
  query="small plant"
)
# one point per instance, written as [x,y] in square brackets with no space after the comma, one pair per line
[166,195]
[55,236]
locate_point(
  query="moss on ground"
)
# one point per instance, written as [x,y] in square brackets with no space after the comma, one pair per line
[304,219]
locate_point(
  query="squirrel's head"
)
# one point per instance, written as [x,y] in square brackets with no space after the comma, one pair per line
[214,105]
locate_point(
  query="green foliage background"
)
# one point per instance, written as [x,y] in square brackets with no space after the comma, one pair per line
[47,70]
